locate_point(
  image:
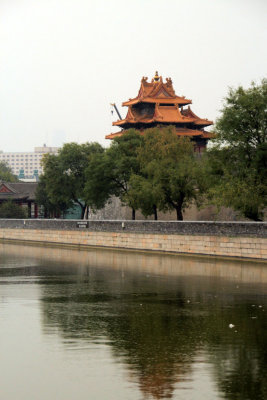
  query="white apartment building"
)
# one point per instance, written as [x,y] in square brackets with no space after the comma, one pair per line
[29,162]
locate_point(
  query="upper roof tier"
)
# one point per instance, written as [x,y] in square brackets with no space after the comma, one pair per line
[157,91]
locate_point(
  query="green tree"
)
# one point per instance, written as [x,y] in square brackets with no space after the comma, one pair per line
[6,173]
[109,173]
[42,199]
[169,165]
[123,161]
[9,209]
[147,195]
[64,175]
[238,160]
[150,172]
[98,185]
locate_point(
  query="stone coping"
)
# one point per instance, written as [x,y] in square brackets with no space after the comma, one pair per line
[233,228]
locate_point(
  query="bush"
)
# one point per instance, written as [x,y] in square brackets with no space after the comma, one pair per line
[9,209]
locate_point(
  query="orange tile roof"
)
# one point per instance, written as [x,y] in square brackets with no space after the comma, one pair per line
[179,132]
[157,92]
[197,121]
[113,135]
[163,114]
[190,132]
[175,100]
[163,107]
[170,114]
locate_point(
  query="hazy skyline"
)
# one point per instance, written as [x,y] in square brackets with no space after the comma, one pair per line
[64,61]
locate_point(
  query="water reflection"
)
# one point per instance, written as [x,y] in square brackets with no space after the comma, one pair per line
[158,314]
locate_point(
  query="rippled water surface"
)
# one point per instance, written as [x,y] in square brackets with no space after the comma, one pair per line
[103,324]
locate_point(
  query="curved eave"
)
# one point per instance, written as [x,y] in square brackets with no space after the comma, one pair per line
[170,100]
[158,120]
[14,196]
[179,132]
[188,132]
[114,135]
[194,133]
[208,135]
[203,122]
[120,122]
[161,119]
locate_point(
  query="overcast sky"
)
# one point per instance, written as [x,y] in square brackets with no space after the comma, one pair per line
[63,61]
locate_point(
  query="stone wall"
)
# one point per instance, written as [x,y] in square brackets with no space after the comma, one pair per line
[232,239]
[255,229]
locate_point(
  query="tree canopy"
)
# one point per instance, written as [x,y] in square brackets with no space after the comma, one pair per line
[51,209]
[169,172]
[238,159]
[151,172]
[109,173]
[6,173]
[64,175]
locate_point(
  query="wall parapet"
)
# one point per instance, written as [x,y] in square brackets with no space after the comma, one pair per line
[232,229]
[220,239]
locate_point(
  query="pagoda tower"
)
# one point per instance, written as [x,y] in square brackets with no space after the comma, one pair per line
[157,105]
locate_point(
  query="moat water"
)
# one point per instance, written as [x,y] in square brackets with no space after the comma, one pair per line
[110,325]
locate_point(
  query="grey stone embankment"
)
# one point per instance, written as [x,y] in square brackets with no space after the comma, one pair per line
[230,239]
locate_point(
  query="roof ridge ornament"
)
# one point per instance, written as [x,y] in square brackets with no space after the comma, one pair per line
[156,78]
[168,81]
[168,84]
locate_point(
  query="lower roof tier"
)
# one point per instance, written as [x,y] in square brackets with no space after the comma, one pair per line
[193,133]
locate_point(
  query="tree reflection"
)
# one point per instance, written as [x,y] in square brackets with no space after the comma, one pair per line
[151,331]
[158,330]
[239,355]
[158,345]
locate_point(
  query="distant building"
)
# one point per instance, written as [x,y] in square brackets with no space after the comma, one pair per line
[157,105]
[27,165]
